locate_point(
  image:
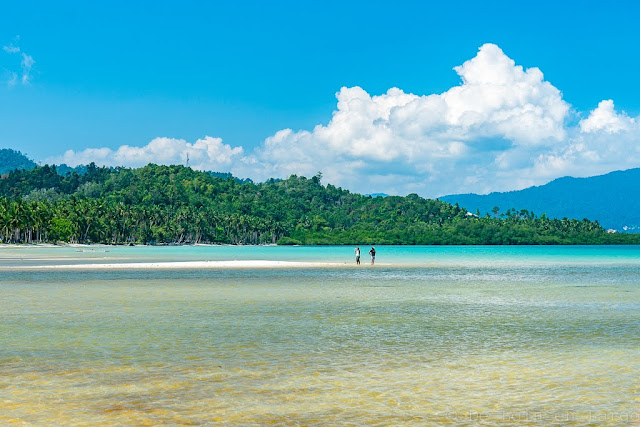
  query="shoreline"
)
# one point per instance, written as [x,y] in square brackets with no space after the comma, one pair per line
[230,245]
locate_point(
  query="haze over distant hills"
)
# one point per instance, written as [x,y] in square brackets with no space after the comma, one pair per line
[611,199]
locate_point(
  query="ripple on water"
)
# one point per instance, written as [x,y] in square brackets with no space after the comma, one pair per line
[442,346]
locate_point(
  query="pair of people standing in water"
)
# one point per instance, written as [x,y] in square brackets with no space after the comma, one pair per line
[372,252]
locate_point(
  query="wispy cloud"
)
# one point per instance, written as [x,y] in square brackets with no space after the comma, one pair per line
[25,65]
[502,128]
[11,49]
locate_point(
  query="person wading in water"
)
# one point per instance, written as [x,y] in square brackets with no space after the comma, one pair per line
[357,256]
[372,252]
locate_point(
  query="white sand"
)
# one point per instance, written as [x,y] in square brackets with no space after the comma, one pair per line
[180,265]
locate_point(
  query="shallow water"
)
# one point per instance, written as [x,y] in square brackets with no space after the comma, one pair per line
[432,336]
[417,256]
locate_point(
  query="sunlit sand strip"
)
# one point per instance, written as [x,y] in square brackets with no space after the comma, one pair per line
[187,265]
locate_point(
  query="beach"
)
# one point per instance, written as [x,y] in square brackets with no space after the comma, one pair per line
[294,336]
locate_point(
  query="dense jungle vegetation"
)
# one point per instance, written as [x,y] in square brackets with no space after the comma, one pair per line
[175,204]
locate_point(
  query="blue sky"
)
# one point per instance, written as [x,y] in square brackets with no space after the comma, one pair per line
[106,74]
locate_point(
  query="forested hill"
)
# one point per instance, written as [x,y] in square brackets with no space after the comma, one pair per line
[175,204]
[611,199]
[11,160]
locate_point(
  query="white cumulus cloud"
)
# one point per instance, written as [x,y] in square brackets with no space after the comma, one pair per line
[605,141]
[431,144]
[606,119]
[502,128]
[204,154]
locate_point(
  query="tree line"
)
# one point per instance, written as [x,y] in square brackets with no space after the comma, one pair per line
[175,204]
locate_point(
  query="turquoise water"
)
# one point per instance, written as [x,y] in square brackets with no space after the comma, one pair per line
[430,336]
[388,255]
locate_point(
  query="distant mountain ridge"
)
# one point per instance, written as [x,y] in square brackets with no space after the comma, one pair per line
[611,199]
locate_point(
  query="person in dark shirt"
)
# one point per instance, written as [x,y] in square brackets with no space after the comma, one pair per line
[372,252]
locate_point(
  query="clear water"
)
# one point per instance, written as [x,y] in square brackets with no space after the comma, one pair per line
[431,336]
[387,255]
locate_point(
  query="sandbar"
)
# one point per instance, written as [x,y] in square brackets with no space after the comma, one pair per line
[184,265]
